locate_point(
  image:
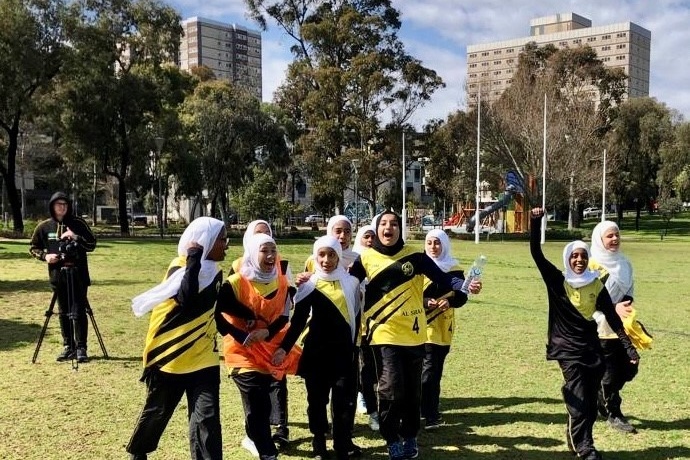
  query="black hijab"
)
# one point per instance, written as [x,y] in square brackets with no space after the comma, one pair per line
[378,245]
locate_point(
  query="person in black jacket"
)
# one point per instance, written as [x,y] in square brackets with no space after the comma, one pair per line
[63,241]
[573,341]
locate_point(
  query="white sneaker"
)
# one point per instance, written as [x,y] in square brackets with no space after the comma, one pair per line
[374,421]
[249,446]
[361,405]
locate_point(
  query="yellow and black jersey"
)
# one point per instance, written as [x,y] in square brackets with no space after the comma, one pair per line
[440,325]
[393,304]
[321,322]
[182,330]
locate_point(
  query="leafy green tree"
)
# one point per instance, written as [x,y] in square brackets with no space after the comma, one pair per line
[117,89]
[33,46]
[674,172]
[641,127]
[349,69]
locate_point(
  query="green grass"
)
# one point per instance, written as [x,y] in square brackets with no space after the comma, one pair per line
[500,397]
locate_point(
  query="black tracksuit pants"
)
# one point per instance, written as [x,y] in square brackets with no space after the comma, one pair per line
[279,406]
[618,370]
[255,388]
[432,371]
[342,387]
[70,287]
[368,379]
[399,390]
[580,389]
[164,393]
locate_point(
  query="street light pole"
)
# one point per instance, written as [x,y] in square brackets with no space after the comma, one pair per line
[355,163]
[159,206]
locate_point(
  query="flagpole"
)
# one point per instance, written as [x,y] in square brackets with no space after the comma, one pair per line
[543,181]
[404,191]
[477,223]
[603,190]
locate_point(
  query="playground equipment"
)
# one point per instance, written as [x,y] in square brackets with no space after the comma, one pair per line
[505,199]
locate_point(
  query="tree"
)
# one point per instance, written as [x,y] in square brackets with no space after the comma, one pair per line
[641,127]
[32,53]
[674,173]
[116,92]
[349,69]
[578,93]
[229,132]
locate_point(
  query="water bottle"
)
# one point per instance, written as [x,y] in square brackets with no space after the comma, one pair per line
[474,273]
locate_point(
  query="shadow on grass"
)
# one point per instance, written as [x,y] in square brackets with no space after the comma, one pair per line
[15,256]
[25,285]
[15,334]
[662,425]
[496,403]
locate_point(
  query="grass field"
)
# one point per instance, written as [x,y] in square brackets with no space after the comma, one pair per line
[500,397]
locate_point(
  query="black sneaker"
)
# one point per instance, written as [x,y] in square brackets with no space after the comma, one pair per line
[280,440]
[354,451]
[593,455]
[66,355]
[621,423]
[82,357]
[319,451]
[432,424]
[138,457]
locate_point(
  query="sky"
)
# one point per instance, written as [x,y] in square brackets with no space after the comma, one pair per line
[438,31]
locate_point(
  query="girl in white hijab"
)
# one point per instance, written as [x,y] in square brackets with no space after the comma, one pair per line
[340,228]
[364,238]
[203,231]
[329,303]
[572,340]
[616,272]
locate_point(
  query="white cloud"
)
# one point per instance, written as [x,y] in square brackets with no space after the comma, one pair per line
[438,31]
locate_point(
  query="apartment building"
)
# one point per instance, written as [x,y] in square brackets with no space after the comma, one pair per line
[490,66]
[232,52]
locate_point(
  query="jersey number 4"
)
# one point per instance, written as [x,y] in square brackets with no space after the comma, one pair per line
[415,326]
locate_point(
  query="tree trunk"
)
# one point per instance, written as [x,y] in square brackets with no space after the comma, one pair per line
[8,179]
[122,204]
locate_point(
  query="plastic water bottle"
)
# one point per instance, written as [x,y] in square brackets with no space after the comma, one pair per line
[474,273]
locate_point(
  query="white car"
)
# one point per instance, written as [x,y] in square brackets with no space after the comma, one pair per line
[314,218]
[591,212]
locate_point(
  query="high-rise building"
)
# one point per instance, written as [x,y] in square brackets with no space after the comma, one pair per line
[490,66]
[232,52]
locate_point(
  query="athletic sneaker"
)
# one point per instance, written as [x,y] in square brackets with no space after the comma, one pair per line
[395,451]
[361,405]
[66,355]
[374,421]
[250,447]
[593,455]
[433,424]
[621,423]
[410,449]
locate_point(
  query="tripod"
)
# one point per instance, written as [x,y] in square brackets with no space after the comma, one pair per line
[67,274]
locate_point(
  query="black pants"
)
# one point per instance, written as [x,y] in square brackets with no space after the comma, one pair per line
[582,380]
[399,390]
[279,406]
[432,371]
[368,379]
[70,286]
[164,393]
[617,371]
[342,387]
[255,389]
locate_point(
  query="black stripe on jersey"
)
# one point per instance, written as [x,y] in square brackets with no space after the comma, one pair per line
[175,318]
[370,332]
[155,352]
[178,352]
[432,315]
[387,280]
[384,306]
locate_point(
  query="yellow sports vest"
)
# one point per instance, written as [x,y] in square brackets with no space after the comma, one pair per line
[178,343]
[397,317]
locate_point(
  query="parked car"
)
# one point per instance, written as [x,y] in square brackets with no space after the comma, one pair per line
[430,223]
[314,219]
[591,212]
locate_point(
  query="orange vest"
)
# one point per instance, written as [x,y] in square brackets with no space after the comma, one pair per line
[257,357]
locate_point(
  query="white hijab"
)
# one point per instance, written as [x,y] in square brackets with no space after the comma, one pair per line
[348,255]
[204,231]
[358,247]
[572,278]
[251,229]
[251,269]
[620,280]
[348,283]
[445,261]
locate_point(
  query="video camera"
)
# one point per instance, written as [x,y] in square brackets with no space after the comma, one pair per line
[68,249]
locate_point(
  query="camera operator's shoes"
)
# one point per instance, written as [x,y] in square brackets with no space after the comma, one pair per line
[82,357]
[66,355]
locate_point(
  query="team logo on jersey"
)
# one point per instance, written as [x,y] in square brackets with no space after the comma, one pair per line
[408,269]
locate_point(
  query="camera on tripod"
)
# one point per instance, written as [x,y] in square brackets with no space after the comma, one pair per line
[68,249]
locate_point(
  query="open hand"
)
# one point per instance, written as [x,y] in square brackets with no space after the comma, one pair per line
[278,357]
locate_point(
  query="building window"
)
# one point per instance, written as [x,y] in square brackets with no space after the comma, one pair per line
[497,62]
[606,37]
[510,50]
[497,52]
[562,43]
[621,46]
[622,34]
[591,39]
[577,40]
[473,55]
[484,64]
[472,66]
[486,53]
